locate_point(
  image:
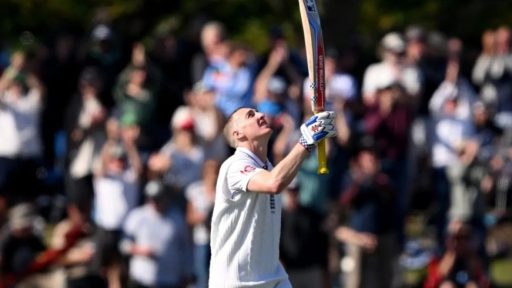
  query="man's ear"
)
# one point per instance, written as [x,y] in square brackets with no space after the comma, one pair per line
[237,135]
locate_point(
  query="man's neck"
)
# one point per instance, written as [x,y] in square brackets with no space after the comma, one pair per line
[257,148]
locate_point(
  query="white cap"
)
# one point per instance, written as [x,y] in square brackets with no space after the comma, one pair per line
[276,85]
[101,32]
[341,86]
[393,41]
[154,189]
[182,118]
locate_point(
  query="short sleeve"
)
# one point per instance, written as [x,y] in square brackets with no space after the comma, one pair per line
[130,226]
[238,176]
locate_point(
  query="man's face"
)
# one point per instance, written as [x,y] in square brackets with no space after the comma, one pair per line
[250,124]
[368,163]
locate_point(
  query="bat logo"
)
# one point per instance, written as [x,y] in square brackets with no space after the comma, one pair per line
[310,6]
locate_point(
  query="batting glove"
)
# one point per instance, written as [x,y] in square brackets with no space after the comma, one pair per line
[318,127]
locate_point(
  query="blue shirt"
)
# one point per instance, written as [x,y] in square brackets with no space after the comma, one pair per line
[233,87]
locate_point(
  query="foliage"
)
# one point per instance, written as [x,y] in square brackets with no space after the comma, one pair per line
[249,20]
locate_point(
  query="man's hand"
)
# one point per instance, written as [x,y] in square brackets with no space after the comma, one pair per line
[318,127]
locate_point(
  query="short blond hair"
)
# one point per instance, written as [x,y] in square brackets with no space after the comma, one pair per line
[228,129]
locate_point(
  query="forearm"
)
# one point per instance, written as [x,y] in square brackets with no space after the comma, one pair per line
[134,158]
[441,95]
[275,181]
[481,69]
[260,86]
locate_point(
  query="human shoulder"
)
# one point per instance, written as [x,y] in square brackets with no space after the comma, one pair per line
[194,190]
[136,218]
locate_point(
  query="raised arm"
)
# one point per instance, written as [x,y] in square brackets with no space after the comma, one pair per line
[318,127]
[276,57]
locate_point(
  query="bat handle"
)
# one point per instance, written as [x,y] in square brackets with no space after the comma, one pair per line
[322,158]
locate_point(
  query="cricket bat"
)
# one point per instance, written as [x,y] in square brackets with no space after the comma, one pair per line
[314,43]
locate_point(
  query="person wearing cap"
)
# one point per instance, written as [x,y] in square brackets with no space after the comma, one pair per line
[208,121]
[280,111]
[116,192]
[155,237]
[391,69]
[179,161]
[21,242]
[105,55]
[271,88]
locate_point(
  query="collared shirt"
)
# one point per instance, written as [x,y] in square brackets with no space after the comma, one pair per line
[246,228]
[166,234]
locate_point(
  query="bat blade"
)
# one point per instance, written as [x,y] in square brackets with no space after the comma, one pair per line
[315,59]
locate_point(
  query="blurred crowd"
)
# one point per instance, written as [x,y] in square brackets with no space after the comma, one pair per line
[110,149]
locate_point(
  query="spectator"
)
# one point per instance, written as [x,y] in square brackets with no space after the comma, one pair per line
[232,80]
[116,185]
[156,239]
[213,44]
[21,94]
[283,62]
[293,68]
[135,95]
[200,199]
[104,55]
[450,133]
[271,87]
[20,244]
[85,122]
[79,250]
[180,160]
[370,239]
[9,148]
[208,122]
[460,265]
[304,242]
[420,54]
[493,73]
[391,69]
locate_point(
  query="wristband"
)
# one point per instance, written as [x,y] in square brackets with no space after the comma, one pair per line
[304,143]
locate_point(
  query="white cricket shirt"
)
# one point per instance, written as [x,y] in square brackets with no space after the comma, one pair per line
[245,228]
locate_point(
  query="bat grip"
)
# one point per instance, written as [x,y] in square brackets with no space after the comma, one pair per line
[322,158]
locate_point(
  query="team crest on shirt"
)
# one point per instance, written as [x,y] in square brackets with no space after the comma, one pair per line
[247,169]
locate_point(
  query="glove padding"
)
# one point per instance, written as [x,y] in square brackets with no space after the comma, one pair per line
[318,127]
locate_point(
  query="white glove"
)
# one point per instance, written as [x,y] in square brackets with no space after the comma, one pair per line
[318,127]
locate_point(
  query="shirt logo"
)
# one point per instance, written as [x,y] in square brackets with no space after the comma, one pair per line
[247,169]
[272,204]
